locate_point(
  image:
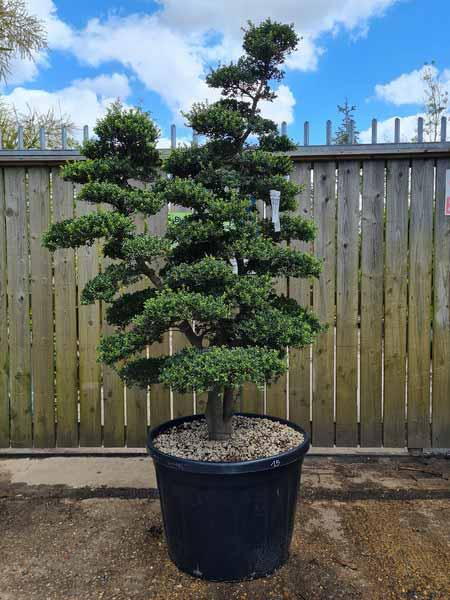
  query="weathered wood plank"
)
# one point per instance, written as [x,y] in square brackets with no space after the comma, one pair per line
[276,393]
[19,308]
[42,351]
[251,396]
[395,301]
[347,303]
[113,401]
[136,397]
[89,338]
[159,394]
[300,290]
[4,347]
[372,273]
[113,387]
[419,303]
[66,359]
[441,318]
[324,303]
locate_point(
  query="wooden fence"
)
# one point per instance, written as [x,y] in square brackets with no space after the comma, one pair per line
[379,376]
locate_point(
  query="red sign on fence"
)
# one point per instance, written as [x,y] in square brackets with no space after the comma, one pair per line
[447,193]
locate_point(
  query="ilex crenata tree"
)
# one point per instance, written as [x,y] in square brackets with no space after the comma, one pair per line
[212,274]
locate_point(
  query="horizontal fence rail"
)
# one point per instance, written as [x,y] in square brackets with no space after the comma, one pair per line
[378,376]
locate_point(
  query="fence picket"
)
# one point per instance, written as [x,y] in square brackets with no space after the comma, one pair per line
[89,338]
[251,396]
[347,303]
[372,267]
[300,290]
[441,317]
[66,361]
[276,392]
[136,397]
[41,310]
[159,394]
[398,329]
[18,307]
[323,302]
[4,347]
[395,301]
[419,302]
[113,387]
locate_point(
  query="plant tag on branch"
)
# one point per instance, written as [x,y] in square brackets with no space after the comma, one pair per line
[234,265]
[275,202]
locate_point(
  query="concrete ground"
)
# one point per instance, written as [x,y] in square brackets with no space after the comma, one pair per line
[88,528]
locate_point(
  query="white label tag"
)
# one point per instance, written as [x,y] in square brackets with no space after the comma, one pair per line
[275,202]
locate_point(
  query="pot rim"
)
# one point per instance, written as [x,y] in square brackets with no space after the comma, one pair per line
[226,468]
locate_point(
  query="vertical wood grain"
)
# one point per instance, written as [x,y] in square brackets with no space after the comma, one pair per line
[324,303]
[89,338]
[441,317]
[19,307]
[136,397]
[4,345]
[41,310]
[419,303]
[300,290]
[159,394]
[395,301]
[66,359]
[372,275]
[347,303]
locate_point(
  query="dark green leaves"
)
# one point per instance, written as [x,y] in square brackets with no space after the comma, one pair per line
[221,366]
[73,233]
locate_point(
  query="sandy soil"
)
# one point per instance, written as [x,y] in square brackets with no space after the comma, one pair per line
[374,530]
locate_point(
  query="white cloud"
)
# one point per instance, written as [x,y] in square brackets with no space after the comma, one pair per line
[170,50]
[115,85]
[282,109]
[59,34]
[409,88]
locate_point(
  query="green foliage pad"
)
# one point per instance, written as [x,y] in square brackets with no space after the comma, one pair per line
[212,274]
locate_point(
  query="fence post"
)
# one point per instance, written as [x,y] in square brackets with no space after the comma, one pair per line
[374,131]
[173,136]
[284,128]
[328,133]
[20,137]
[42,144]
[397,131]
[443,129]
[420,130]
[306,134]
[85,133]
[64,137]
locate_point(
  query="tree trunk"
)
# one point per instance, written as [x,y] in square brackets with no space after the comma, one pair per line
[219,411]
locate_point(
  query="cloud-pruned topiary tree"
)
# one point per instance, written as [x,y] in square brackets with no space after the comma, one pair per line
[211,275]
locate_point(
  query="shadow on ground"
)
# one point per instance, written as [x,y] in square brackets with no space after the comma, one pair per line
[375,530]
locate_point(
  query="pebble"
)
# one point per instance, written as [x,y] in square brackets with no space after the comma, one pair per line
[252,438]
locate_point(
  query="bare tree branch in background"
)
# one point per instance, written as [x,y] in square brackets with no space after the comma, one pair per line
[435,101]
[21,34]
[32,120]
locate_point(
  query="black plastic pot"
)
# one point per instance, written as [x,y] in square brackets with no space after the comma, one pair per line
[228,521]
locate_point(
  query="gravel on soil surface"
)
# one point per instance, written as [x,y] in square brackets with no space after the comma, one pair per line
[252,438]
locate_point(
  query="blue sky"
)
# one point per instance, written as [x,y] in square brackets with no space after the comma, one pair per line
[156,54]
